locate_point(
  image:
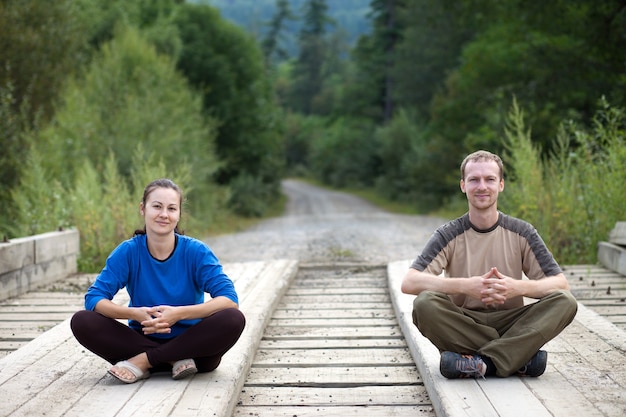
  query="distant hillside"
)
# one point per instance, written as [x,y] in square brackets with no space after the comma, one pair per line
[349,15]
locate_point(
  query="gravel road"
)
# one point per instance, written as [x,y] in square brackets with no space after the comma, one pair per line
[322,226]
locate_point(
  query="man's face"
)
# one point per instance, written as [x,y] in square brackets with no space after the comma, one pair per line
[482,184]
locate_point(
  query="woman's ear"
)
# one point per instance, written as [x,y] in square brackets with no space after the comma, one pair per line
[141,208]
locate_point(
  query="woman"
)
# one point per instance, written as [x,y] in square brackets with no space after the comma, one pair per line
[170,326]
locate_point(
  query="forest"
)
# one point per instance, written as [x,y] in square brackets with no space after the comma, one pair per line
[98,97]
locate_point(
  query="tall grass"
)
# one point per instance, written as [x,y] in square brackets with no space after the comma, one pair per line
[574,196]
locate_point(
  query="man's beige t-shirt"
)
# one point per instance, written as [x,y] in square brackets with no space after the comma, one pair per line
[458,249]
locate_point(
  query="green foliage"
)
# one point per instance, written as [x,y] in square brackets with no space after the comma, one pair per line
[254,15]
[575,196]
[526,173]
[92,217]
[39,202]
[346,155]
[249,196]
[274,39]
[40,44]
[308,70]
[228,67]
[13,125]
[403,153]
[129,95]
[153,17]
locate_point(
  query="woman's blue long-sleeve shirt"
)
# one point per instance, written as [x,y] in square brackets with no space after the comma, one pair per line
[180,280]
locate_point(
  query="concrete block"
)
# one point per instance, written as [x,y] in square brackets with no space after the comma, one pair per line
[53,245]
[30,262]
[11,284]
[31,277]
[16,254]
[617,236]
[612,256]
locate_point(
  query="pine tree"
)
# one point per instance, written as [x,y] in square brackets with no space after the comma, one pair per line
[308,68]
[271,44]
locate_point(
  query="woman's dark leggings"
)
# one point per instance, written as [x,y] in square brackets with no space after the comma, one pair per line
[205,342]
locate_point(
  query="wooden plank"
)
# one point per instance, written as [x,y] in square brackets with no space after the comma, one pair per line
[8,346]
[591,303]
[273,332]
[609,310]
[245,276]
[333,322]
[286,312]
[49,301]
[24,325]
[319,396]
[41,317]
[559,395]
[303,300]
[517,394]
[333,357]
[330,343]
[28,310]
[59,395]
[25,335]
[39,374]
[340,283]
[363,307]
[314,411]
[336,290]
[344,376]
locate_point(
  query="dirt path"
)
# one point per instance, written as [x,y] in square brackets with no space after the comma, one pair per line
[322,226]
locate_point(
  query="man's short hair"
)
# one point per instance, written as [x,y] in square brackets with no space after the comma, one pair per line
[479,156]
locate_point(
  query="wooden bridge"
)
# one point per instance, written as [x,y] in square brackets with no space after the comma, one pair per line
[320,340]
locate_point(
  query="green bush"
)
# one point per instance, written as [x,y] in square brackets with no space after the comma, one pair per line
[129,95]
[346,155]
[575,196]
[250,197]
[405,171]
[39,201]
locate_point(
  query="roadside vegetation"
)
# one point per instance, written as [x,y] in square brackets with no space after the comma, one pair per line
[99,97]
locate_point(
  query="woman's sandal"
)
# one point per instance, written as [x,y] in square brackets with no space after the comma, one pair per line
[183,368]
[138,374]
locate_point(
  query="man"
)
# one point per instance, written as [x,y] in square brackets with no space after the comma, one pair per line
[475,314]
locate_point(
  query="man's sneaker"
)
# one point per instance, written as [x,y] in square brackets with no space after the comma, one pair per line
[454,365]
[536,366]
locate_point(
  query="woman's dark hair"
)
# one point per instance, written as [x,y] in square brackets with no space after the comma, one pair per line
[161,183]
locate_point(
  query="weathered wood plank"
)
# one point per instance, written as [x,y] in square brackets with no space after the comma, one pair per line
[333,322]
[303,300]
[382,312]
[364,307]
[332,332]
[344,376]
[353,396]
[336,290]
[315,411]
[41,317]
[333,357]
[330,343]
[24,325]
[49,301]
[28,310]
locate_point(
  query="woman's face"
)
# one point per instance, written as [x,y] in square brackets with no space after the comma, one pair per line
[161,211]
